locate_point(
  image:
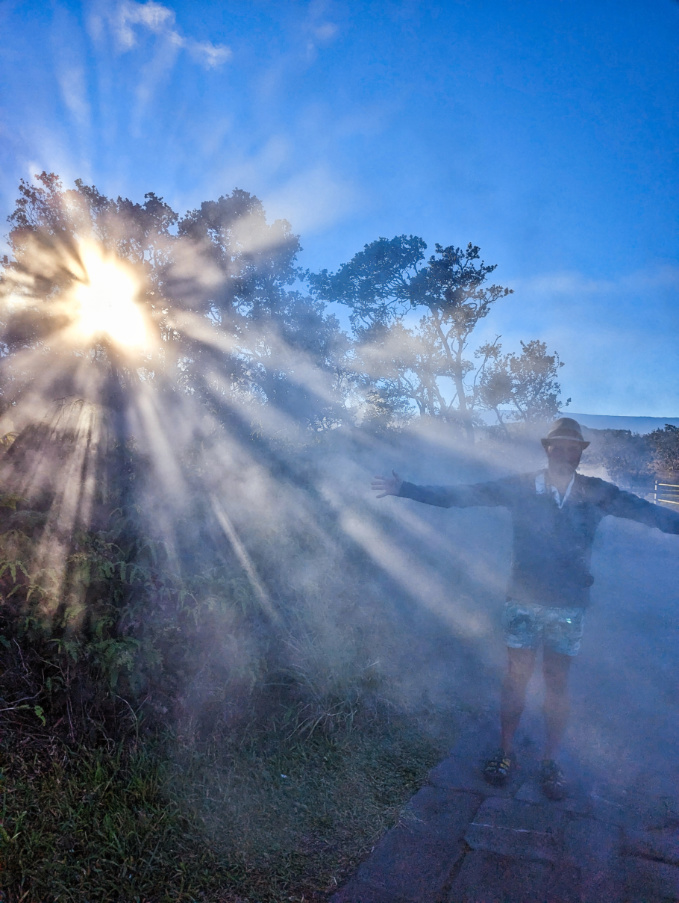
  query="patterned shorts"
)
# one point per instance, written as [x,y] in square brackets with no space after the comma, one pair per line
[527,625]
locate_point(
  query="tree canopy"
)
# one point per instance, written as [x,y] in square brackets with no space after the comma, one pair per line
[219,286]
[428,362]
[235,321]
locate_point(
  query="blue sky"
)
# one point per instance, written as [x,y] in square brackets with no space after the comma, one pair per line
[545,131]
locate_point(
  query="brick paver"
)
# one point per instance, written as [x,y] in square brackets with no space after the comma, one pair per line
[517,829]
[649,881]
[660,844]
[412,862]
[503,880]
[461,840]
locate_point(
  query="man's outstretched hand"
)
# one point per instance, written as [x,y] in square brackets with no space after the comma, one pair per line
[387,485]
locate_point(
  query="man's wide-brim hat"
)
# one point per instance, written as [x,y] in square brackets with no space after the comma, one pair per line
[565,428]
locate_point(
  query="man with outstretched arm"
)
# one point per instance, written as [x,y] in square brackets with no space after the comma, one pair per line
[555,514]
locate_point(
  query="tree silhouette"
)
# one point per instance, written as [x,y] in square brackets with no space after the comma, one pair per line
[428,364]
[219,285]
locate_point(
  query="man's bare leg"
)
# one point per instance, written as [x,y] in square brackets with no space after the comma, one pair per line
[556,668]
[520,666]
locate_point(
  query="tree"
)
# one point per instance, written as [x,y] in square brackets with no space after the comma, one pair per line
[388,365]
[375,282]
[453,290]
[219,285]
[664,446]
[429,363]
[625,456]
[522,387]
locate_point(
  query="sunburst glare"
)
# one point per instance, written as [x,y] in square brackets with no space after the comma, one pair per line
[105,300]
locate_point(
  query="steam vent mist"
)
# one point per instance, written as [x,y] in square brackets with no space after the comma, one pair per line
[230,670]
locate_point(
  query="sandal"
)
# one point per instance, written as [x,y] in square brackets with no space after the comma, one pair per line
[498,768]
[552,780]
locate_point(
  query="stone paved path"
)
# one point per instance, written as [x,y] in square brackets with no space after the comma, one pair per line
[460,840]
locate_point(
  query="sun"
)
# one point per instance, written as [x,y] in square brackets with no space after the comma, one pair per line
[105,300]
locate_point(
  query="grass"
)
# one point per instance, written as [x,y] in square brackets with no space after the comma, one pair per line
[98,826]
[273,817]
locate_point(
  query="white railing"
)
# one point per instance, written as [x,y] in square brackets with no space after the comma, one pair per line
[666,493]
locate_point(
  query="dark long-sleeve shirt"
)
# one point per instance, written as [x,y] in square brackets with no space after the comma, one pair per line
[552,545]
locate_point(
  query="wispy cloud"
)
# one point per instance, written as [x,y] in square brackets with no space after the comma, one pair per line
[318,29]
[324,32]
[152,16]
[73,87]
[129,19]
[312,200]
[574,284]
[209,54]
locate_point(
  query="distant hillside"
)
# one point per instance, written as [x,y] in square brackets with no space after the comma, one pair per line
[635,424]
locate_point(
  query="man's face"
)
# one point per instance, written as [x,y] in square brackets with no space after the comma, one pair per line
[564,456]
